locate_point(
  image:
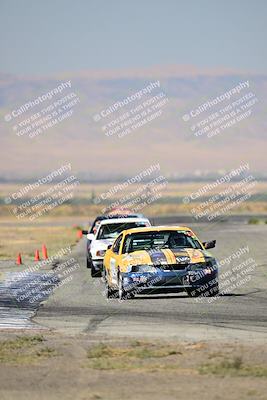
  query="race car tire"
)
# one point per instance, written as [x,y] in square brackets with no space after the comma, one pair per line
[214,290]
[131,295]
[88,263]
[122,293]
[110,293]
[95,273]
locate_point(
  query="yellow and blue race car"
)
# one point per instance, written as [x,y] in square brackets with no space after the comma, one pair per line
[160,259]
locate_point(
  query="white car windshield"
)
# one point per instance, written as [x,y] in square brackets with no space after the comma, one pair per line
[111,231]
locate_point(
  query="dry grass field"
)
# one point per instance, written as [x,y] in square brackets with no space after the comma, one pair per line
[26,239]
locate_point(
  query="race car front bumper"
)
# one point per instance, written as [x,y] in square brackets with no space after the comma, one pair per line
[171,281]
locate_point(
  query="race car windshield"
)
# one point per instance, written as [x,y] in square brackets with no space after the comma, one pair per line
[111,231]
[160,240]
[111,216]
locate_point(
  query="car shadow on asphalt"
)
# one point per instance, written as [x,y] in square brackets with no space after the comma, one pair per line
[184,296]
[160,297]
[233,294]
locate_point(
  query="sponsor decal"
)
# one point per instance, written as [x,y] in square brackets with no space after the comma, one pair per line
[157,257]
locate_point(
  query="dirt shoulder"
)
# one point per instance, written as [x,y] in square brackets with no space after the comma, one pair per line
[50,365]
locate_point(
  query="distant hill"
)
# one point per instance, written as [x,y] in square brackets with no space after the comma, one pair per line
[166,139]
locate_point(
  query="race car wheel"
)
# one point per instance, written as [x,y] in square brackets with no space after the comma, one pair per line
[88,263]
[95,273]
[214,290]
[122,292]
[110,293]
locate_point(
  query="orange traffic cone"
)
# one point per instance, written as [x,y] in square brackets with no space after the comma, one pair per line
[36,256]
[79,234]
[19,260]
[44,252]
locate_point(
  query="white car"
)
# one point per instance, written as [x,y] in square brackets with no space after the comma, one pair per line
[107,231]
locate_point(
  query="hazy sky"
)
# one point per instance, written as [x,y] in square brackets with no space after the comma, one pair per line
[51,36]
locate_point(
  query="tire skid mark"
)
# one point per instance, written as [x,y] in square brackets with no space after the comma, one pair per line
[183,316]
[95,322]
[20,298]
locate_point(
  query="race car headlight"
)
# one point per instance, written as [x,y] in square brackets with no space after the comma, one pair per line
[143,268]
[100,253]
[197,266]
[212,262]
[207,267]
[207,271]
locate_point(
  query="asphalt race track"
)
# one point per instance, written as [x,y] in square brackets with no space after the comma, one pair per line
[80,306]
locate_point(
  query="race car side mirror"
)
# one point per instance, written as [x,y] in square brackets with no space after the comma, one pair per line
[209,245]
[84,232]
[109,246]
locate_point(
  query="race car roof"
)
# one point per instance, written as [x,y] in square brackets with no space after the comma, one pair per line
[116,216]
[157,229]
[123,220]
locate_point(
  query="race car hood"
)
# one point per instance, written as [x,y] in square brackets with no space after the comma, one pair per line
[102,244]
[166,256]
